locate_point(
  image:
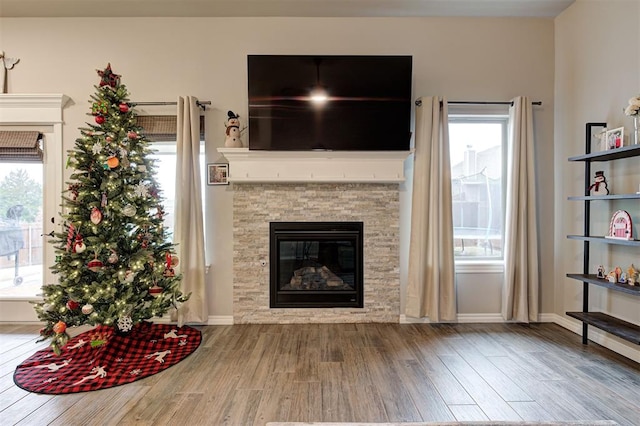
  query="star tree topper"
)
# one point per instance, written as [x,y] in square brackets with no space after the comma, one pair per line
[108,77]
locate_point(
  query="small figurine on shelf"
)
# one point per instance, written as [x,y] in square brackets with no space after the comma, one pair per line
[599,185]
[600,273]
[621,226]
[618,272]
[632,275]
[233,131]
[623,278]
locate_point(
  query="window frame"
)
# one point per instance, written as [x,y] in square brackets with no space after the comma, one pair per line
[484,114]
[43,113]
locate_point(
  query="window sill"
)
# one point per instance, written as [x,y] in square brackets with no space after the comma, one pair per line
[21,299]
[479,266]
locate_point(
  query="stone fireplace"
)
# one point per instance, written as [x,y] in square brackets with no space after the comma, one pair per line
[260,201]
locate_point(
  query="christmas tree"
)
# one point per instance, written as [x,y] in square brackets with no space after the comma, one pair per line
[113,258]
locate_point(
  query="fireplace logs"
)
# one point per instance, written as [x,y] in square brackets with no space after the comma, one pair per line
[312,278]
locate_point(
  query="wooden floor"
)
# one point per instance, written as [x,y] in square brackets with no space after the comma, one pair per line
[252,374]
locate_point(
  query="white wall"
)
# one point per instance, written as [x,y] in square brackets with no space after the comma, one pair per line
[160,58]
[597,71]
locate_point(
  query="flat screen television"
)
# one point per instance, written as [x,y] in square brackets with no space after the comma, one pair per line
[347,103]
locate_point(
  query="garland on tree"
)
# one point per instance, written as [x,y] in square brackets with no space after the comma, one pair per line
[114,259]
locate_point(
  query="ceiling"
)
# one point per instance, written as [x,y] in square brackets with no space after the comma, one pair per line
[291,8]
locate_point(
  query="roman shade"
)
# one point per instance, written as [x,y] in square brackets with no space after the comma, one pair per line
[162,128]
[21,146]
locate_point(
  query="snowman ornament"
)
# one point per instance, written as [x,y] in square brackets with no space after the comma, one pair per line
[233,131]
[599,185]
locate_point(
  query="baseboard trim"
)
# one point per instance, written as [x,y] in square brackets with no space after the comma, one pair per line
[211,320]
[220,320]
[460,318]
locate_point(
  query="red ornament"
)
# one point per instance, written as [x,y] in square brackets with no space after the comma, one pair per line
[45,332]
[100,119]
[132,135]
[74,189]
[155,291]
[79,246]
[95,265]
[123,107]
[168,270]
[72,305]
[96,216]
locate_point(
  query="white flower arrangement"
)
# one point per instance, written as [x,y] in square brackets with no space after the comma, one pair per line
[633,109]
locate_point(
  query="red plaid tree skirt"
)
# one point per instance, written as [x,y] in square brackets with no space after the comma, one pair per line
[101,358]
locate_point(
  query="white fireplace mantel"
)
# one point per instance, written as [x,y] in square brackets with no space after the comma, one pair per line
[315,166]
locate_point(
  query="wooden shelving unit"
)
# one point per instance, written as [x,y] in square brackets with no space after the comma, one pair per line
[603,321]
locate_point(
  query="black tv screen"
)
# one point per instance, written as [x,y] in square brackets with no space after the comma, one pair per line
[310,102]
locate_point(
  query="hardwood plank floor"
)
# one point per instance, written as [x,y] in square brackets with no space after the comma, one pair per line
[254,374]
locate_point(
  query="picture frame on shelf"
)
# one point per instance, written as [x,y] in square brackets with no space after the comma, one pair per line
[615,138]
[217,174]
[599,140]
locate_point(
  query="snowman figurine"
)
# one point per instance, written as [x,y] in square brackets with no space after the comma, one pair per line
[599,185]
[233,131]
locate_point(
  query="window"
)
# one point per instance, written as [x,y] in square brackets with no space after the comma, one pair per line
[21,213]
[478,167]
[165,166]
[40,114]
[21,221]
[161,130]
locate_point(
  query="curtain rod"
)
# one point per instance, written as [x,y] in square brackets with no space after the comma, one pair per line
[419,102]
[201,104]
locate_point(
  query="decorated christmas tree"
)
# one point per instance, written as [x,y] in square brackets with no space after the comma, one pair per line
[114,261]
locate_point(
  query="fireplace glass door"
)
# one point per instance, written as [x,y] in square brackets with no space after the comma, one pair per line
[316,264]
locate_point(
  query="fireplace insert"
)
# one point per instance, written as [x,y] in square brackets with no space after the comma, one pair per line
[316,264]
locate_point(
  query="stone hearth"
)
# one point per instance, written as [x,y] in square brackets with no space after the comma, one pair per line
[255,205]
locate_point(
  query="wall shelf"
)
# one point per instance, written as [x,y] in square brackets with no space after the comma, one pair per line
[604,197]
[618,327]
[623,329]
[615,241]
[593,279]
[612,154]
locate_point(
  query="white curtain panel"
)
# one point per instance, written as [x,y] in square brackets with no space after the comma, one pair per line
[188,228]
[521,286]
[431,279]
